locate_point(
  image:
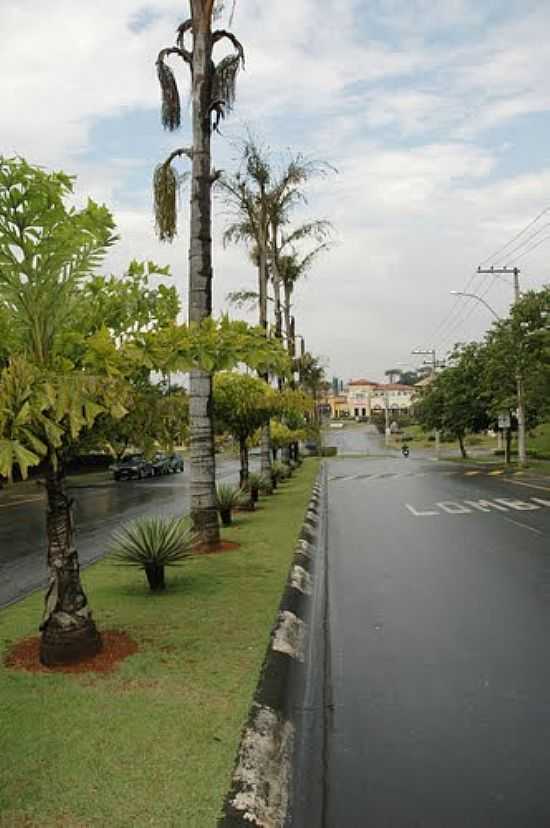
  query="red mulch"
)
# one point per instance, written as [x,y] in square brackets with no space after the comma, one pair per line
[116,647]
[215,549]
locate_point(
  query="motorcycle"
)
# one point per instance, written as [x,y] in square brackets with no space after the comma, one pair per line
[405,451]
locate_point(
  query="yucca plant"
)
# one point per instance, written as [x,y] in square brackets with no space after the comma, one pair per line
[151,543]
[266,484]
[228,498]
[254,485]
[279,471]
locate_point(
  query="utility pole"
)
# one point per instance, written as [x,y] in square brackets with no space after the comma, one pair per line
[434,363]
[522,449]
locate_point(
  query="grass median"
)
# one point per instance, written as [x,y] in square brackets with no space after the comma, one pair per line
[152,743]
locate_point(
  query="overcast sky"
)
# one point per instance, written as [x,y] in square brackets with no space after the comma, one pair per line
[435,112]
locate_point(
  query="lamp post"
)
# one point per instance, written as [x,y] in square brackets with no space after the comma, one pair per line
[519,383]
[431,352]
[478,298]
[522,445]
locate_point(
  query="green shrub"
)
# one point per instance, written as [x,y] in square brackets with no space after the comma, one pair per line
[280,471]
[266,484]
[151,543]
[228,498]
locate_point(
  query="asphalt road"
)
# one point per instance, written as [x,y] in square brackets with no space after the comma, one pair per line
[98,510]
[439,591]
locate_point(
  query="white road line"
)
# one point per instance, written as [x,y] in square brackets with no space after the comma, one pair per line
[414,512]
[528,485]
[524,526]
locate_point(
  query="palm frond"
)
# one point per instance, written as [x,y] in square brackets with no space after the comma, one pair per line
[171,106]
[225,81]
[243,298]
[165,186]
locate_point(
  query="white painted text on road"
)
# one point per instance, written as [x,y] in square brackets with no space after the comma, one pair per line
[468,507]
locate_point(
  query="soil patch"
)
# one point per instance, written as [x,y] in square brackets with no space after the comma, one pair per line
[222,546]
[116,647]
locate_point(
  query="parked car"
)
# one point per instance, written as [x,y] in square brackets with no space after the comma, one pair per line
[176,462]
[160,463]
[132,467]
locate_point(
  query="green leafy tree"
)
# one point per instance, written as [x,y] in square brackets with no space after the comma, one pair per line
[456,401]
[46,252]
[518,344]
[212,97]
[242,404]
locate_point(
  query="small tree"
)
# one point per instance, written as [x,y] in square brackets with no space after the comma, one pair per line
[456,401]
[242,404]
[46,252]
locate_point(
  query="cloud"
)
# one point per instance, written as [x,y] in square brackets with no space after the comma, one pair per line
[402,95]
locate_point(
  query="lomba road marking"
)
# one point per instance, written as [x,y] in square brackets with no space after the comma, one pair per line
[468,507]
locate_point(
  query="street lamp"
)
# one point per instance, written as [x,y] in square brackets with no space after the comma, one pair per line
[478,298]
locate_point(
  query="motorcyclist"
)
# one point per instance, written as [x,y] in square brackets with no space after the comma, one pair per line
[405,450]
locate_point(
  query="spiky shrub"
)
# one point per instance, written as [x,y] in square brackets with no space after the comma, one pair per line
[151,543]
[228,498]
[266,484]
[254,485]
[280,471]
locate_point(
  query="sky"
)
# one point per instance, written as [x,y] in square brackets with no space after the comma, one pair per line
[436,116]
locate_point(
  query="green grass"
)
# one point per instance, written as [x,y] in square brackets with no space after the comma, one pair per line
[153,743]
[539,440]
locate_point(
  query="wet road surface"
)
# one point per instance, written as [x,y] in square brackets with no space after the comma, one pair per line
[439,590]
[98,510]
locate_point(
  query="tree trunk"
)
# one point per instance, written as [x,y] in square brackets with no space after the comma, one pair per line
[225,515]
[204,513]
[265,443]
[290,344]
[68,631]
[155,577]
[243,452]
[508,448]
[460,438]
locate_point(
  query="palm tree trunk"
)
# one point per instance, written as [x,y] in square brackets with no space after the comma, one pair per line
[290,344]
[203,465]
[68,631]
[265,442]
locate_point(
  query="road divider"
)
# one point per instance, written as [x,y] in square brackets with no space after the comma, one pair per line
[281,742]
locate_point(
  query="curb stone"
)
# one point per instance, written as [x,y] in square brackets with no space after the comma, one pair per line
[261,792]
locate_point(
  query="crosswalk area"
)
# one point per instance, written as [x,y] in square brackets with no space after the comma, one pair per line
[342,478]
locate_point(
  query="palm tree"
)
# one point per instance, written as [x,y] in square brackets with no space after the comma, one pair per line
[212,95]
[248,196]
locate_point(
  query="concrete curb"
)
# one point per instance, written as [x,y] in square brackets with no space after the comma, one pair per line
[271,744]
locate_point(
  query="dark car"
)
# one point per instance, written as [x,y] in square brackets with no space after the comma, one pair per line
[133,467]
[176,462]
[160,463]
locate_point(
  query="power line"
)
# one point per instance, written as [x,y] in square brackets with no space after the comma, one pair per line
[517,236]
[534,247]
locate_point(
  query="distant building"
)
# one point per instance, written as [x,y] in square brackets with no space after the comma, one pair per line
[362,398]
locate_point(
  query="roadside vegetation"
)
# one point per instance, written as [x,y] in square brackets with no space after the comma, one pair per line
[480,382]
[167,721]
